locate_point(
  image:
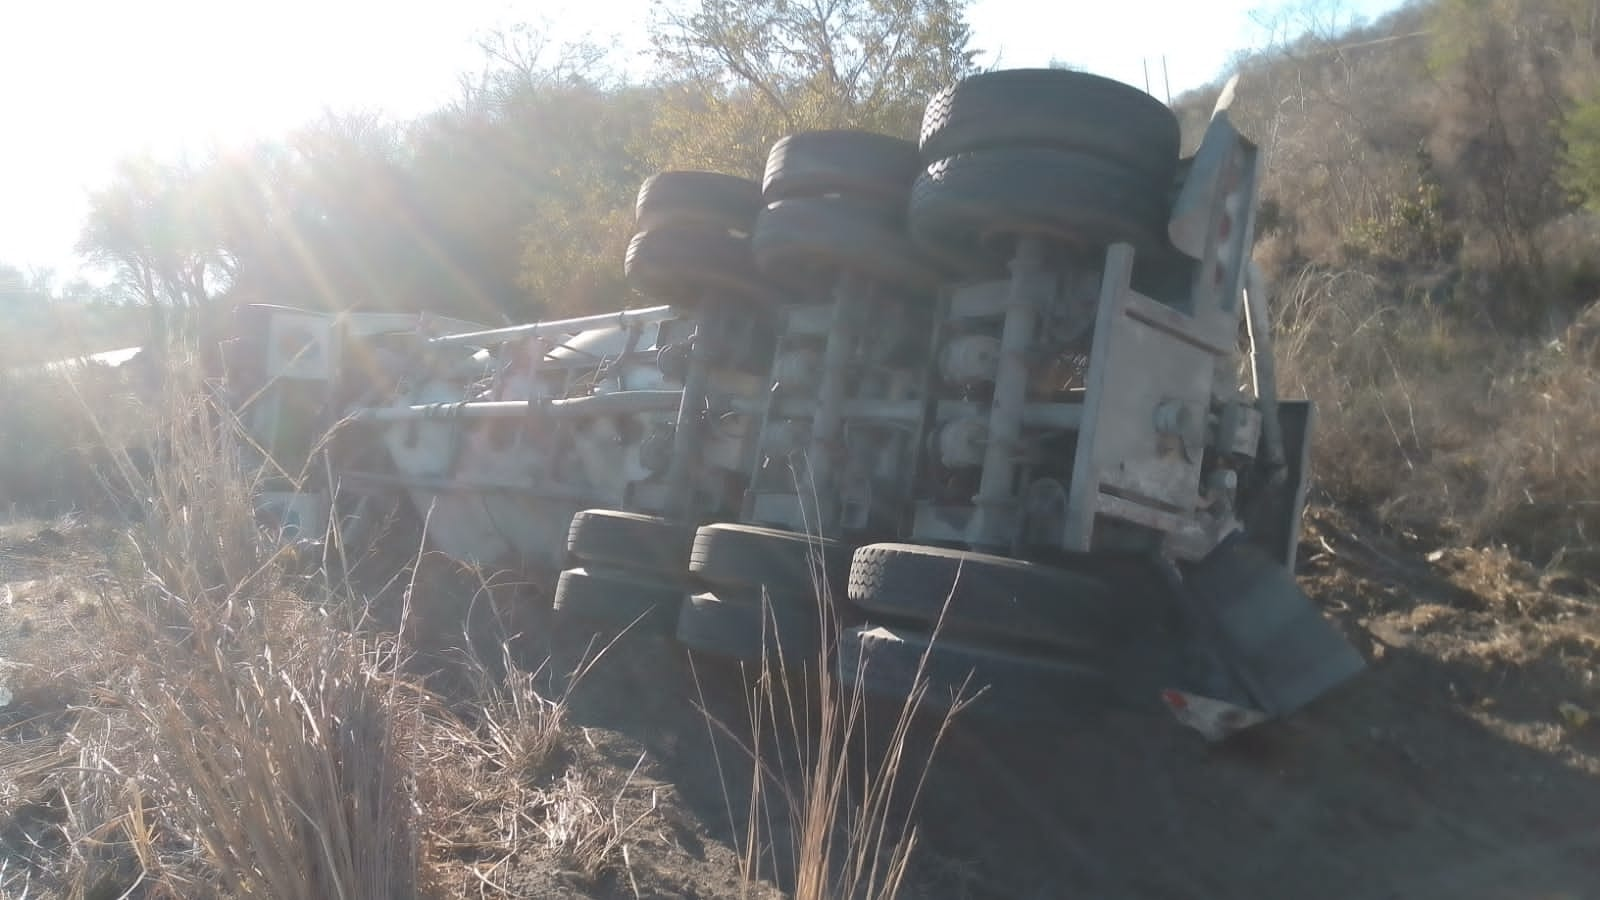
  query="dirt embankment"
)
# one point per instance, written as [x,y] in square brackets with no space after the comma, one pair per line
[1448,770]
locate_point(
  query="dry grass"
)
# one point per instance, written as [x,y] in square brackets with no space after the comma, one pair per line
[226,726]
[287,774]
[507,782]
[229,738]
[1543,465]
[849,794]
[1438,426]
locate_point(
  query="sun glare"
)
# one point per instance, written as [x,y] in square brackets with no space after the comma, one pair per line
[89,81]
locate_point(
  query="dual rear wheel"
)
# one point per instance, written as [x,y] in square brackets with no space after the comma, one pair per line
[1040,639]
[626,571]
[693,242]
[1077,160]
[740,592]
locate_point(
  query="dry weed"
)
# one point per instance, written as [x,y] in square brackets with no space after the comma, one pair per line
[507,780]
[239,730]
[228,736]
[850,823]
[244,742]
[1437,426]
[582,831]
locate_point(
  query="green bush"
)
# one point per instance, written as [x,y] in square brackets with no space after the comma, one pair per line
[1414,229]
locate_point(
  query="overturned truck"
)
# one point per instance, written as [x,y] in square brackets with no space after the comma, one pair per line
[1013,381]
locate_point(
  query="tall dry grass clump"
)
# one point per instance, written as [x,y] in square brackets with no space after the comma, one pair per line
[271,765]
[240,741]
[833,792]
[1542,468]
[233,723]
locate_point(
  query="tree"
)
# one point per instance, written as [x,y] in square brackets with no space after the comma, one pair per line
[24,307]
[1497,132]
[1319,95]
[740,73]
[530,177]
[1580,158]
[516,200]
[42,320]
[523,56]
[582,218]
[155,225]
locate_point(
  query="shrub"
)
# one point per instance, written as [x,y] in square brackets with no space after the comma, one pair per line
[1440,426]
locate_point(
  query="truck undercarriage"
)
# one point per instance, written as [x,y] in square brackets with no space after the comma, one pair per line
[997,403]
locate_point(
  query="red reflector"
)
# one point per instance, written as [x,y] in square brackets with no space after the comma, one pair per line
[1175,699]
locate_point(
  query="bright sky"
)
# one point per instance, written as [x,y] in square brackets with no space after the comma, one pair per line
[85,81]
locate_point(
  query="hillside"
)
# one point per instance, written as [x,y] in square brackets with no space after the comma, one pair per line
[1435,263]
[191,710]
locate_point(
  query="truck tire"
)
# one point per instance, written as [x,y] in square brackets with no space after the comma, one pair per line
[685,263]
[884,662]
[752,557]
[870,171]
[619,599]
[737,625]
[1053,109]
[799,240]
[709,199]
[969,203]
[993,596]
[632,541]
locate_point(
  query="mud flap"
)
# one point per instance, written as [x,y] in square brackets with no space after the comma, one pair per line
[1262,646]
[1272,518]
